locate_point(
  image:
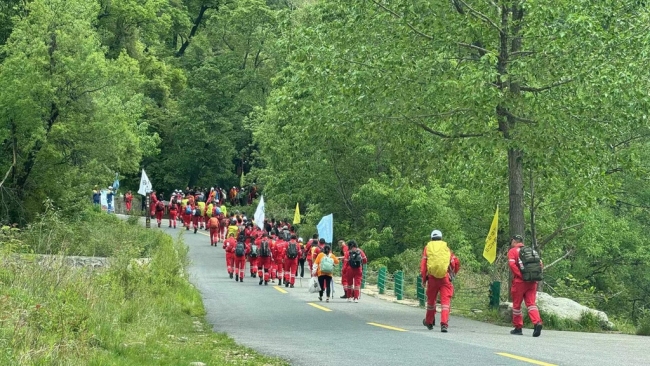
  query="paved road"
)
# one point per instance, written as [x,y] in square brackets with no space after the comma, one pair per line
[282,322]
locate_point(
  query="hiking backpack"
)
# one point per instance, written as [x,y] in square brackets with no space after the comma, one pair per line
[530,264]
[292,251]
[197,211]
[265,251]
[438,258]
[240,249]
[188,210]
[286,235]
[253,252]
[160,206]
[354,259]
[327,265]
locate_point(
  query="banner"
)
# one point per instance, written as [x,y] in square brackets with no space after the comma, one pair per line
[490,250]
[259,214]
[326,228]
[296,216]
[145,184]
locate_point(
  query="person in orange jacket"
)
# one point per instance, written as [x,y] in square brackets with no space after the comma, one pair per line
[436,285]
[522,291]
[324,268]
[213,225]
[173,210]
[355,258]
[229,245]
[292,253]
[310,247]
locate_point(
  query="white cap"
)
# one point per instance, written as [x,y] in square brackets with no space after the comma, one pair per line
[299,240]
[436,234]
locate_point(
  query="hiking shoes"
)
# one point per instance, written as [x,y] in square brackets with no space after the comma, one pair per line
[349,299]
[429,326]
[517,331]
[236,278]
[231,275]
[241,279]
[356,300]
[537,330]
[443,328]
[320,298]
[291,286]
[327,299]
[266,283]
[286,284]
[344,296]
[261,282]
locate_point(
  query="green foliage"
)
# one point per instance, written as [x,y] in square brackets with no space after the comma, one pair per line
[130,313]
[643,327]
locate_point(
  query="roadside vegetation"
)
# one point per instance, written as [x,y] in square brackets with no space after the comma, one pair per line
[126,314]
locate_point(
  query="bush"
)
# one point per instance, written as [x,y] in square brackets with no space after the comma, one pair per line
[643,323]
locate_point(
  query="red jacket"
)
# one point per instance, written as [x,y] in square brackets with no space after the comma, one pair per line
[514,263]
[229,245]
[346,257]
[345,250]
[454,264]
[280,249]
[292,241]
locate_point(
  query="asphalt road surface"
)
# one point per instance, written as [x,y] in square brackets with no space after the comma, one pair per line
[294,325]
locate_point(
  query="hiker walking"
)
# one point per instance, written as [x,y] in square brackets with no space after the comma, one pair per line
[438,267]
[344,270]
[526,267]
[355,258]
[324,269]
[292,253]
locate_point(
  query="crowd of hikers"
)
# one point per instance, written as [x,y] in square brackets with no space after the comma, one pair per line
[274,252]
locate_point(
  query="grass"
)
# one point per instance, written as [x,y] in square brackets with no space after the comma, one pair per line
[127,314]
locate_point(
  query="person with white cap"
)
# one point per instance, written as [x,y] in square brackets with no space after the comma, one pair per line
[438,268]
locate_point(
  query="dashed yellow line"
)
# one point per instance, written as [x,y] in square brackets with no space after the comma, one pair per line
[525,359]
[280,289]
[388,327]
[319,307]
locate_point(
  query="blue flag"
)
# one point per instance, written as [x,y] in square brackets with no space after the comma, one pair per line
[326,228]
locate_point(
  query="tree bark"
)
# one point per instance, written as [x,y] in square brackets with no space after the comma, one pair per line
[516,187]
[197,22]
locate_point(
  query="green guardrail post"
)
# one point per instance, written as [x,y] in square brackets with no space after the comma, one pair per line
[420,291]
[363,277]
[495,294]
[381,280]
[399,285]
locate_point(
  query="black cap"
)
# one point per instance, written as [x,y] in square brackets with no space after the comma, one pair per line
[518,238]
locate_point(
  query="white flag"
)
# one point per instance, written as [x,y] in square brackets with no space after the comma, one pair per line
[259,214]
[145,184]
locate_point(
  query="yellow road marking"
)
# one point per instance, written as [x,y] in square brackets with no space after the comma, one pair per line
[388,327]
[280,289]
[524,359]
[319,307]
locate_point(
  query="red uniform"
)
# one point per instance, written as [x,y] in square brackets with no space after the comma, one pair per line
[173,212]
[187,217]
[253,258]
[354,276]
[225,222]
[160,211]
[213,225]
[521,291]
[291,264]
[441,285]
[152,204]
[264,263]
[278,256]
[229,245]
[128,199]
[240,264]
[195,218]
[344,271]
[309,253]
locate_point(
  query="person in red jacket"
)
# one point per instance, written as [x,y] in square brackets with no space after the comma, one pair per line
[355,259]
[213,225]
[128,199]
[522,291]
[309,251]
[241,251]
[344,271]
[153,199]
[278,256]
[292,253]
[435,285]
[173,211]
[249,232]
[160,211]
[229,245]
[265,260]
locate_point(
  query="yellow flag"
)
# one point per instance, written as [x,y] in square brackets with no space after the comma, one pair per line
[296,216]
[490,251]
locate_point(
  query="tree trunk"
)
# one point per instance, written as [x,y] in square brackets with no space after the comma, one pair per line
[516,189]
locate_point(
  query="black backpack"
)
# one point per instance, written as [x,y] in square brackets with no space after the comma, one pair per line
[354,260]
[265,251]
[292,251]
[253,252]
[530,265]
[197,211]
[286,235]
[240,249]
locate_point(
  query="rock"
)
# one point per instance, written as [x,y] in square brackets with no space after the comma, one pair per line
[476,311]
[183,339]
[197,363]
[561,307]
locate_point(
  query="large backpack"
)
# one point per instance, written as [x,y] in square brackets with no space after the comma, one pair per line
[240,249]
[197,211]
[438,258]
[292,250]
[354,259]
[188,210]
[286,235]
[530,264]
[327,265]
[265,250]
[160,206]
[254,250]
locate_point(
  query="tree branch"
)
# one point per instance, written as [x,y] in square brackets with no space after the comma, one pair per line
[632,205]
[613,147]
[405,22]
[568,253]
[475,47]
[559,231]
[442,114]
[197,22]
[7,174]
[517,118]
[541,89]
[446,136]
[479,15]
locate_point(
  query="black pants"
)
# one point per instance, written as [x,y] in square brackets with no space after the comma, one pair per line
[325,282]
[301,266]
